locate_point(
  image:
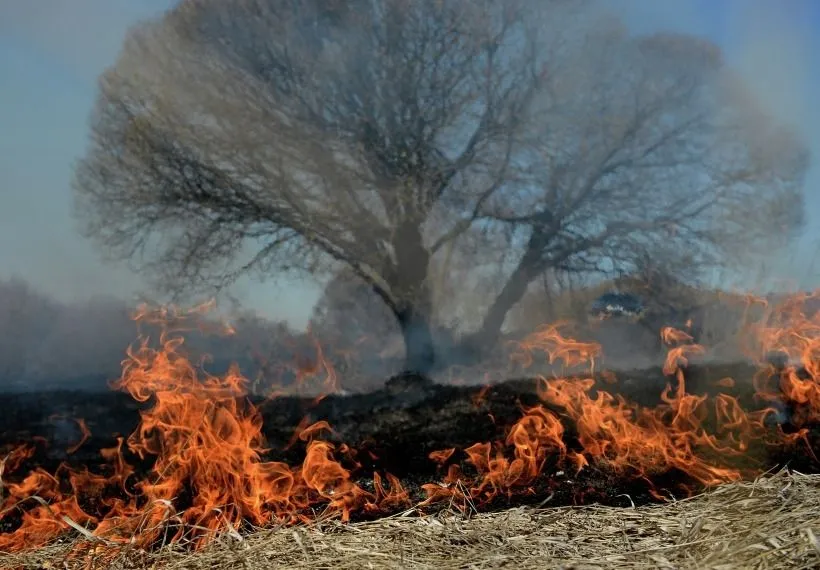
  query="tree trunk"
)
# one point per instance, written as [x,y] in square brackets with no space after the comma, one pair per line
[420,352]
[511,294]
[414,304]
[527,269]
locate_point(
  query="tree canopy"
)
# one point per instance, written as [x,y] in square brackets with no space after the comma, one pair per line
[273,136]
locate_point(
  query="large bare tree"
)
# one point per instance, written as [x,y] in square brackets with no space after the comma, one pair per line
[288,135]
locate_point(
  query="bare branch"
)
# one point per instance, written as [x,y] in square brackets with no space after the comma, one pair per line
[276,136]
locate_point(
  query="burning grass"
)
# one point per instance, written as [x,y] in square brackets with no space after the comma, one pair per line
[199,468]
[772,522]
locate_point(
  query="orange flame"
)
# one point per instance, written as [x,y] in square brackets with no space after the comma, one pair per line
[205,443]
[792,331]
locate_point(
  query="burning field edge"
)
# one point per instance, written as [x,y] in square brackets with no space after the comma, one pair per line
[772,522]
[207,464]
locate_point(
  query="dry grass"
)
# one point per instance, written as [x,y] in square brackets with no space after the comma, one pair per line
[773,522]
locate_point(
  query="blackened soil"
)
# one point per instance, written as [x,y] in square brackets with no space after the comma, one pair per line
[394,430]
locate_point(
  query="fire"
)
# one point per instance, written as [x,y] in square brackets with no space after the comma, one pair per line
[534,439]
[792,332]
[206,442]
[633,440]
[195,466]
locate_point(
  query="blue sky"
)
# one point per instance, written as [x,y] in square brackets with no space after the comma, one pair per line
[53,51]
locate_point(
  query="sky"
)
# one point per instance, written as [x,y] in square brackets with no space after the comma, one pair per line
[54,50]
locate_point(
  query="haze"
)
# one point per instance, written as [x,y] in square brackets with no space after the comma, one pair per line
[54,50]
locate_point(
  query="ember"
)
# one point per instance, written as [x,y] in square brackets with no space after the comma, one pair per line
[200,461]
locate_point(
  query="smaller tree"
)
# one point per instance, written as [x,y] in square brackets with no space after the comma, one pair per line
[358,331]
[350,312]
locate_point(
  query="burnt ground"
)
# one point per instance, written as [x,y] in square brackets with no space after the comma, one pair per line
[394,429]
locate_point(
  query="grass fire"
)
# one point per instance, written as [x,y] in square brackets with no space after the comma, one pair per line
[494,283]
[198,464]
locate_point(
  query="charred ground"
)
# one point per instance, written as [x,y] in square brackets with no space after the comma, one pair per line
[394,429]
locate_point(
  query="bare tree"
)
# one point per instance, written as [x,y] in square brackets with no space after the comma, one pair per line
[348,310]
[651,154]
[274,135]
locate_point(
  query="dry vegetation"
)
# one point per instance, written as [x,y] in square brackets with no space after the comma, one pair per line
[414,144]
[773,522]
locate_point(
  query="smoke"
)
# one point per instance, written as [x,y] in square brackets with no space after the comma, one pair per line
[44,342]
[52,332]
[47,344]
[770,44]
[54,52]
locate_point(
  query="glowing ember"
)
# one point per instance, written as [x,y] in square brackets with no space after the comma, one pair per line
[202,439]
